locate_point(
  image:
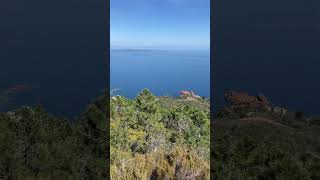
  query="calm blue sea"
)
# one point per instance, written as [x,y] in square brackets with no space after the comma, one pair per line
[164,72]
[55,48]
[270,47]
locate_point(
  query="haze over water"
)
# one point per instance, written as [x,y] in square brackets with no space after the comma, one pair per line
[164,72]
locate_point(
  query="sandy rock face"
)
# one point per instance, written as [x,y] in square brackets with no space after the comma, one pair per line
[188,94]
[243,98]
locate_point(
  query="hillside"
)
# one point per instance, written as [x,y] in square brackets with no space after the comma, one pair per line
[36,145]
[150,137]
[253,143]
[159,138]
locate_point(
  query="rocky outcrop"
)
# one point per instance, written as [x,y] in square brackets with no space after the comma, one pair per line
[244,99]
[188,94]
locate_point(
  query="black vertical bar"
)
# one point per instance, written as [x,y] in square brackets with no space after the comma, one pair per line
[107,71]
[213,66]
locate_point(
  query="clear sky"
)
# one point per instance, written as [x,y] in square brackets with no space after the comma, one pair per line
[166,24]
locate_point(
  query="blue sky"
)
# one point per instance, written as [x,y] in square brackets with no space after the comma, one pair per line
[164,24]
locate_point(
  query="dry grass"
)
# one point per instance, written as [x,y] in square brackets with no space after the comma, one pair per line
[177,164]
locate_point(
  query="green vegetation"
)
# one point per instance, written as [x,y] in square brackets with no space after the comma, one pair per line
[150,137]
[35,145]
[260,144]
[159,138]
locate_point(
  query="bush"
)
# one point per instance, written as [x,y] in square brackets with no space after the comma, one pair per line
[144,131]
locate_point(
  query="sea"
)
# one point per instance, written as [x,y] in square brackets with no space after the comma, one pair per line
[64,86]
[269,47]
[163,72]
[57,60]
[52,54]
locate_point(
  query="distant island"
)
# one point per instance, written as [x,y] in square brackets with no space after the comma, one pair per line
[133,50]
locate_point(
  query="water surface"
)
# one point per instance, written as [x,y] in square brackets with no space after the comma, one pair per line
[270,47]
[164,72]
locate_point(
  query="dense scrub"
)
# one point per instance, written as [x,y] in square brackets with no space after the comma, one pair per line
[35,145]
[159,138]
[150,137]
[265,145]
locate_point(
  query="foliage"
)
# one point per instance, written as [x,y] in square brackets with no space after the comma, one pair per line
[35,145]
[146,131]
[265,146]
[147,139]
[175,164]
